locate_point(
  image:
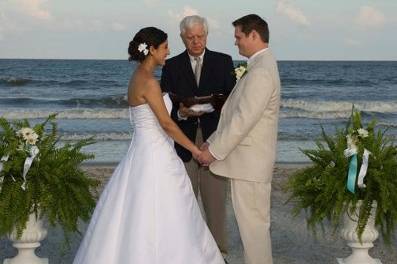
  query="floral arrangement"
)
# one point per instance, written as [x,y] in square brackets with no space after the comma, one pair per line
[38,175]
[330,187]
[240,70]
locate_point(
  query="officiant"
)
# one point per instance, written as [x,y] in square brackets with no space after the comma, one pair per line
[200,72]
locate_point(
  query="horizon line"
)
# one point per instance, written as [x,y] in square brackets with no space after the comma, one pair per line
[234,59]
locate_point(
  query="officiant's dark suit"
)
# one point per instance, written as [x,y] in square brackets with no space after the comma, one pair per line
[216,77]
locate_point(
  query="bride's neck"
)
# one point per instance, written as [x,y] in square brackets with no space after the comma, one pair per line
[149,64]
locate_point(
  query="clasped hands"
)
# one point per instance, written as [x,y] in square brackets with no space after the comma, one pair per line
[204,156]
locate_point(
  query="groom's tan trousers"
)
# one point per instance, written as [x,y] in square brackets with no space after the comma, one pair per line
[251,204]
[212,190]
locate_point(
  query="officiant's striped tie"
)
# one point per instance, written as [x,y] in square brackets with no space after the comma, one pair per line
[197,69]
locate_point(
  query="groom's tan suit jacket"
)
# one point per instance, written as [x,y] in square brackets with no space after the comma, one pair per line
[244,143]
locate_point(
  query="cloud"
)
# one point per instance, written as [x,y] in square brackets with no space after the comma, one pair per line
[213,23]
[22,15]
[2,23]
[370,17]
[33,8]
[6,25]
[187,11]
[151,3]
[352,42]
[190,11]
[284,7]
[117,26]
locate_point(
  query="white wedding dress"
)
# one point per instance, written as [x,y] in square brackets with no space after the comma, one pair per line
[147,213]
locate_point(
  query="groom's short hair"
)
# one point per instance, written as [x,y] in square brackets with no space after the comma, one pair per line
[252,22]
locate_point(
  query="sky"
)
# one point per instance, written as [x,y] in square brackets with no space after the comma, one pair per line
[102,29]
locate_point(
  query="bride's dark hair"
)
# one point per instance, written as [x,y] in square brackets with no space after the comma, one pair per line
[150,36]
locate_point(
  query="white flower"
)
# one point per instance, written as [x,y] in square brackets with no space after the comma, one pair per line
[240,71]
[143,48]
[28,134]
[32,139]
[25,132]
[362,132]
[351,142]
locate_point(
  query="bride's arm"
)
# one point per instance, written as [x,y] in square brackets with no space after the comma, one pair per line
[154,98]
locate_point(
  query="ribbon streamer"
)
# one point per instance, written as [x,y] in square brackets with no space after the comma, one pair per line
[363,169]
[352,174]
[28,162]
[4,158]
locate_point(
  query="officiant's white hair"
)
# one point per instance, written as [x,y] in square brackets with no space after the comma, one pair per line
[189,21]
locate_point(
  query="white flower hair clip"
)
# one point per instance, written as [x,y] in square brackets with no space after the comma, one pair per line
[143,48]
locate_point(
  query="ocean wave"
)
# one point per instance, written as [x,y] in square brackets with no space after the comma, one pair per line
[112,136]
[387,124]
[327,82]
[63,82]
[338,107]
[315,115]
[68,114]
[110,101]
[12,81]
[83,82]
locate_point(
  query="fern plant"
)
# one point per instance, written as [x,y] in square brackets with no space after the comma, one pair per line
[321,189]
[53,187]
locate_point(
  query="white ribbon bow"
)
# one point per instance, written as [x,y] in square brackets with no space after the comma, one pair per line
[363,169]
[349,152]
[364,166]
[28,162]
[4,158]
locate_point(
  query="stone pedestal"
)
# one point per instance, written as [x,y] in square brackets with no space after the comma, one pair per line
[359,249]
[28,242]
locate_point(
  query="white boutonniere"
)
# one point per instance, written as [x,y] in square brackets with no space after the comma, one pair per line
[240,70]
[143,48]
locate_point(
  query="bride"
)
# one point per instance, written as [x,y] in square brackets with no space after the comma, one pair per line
[147,213]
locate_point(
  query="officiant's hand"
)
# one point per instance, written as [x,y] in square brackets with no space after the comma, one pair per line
[185,112]
[206,158]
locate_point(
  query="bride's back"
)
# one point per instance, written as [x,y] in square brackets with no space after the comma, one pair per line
[138,85]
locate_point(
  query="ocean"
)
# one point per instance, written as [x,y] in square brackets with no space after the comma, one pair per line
[90,99]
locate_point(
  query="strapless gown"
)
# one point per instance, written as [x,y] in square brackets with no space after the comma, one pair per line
[147,213]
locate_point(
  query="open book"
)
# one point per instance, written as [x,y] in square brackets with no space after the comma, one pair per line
[216,100]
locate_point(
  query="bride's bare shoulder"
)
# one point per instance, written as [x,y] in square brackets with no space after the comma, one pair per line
[142,84]
[141,79]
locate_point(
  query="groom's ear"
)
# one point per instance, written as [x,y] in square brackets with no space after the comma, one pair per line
[254,34]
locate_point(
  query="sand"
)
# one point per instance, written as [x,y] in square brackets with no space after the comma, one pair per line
[292,243]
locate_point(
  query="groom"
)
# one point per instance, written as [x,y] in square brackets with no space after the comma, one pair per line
[243,147]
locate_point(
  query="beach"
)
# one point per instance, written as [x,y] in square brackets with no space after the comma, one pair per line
[291,241]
